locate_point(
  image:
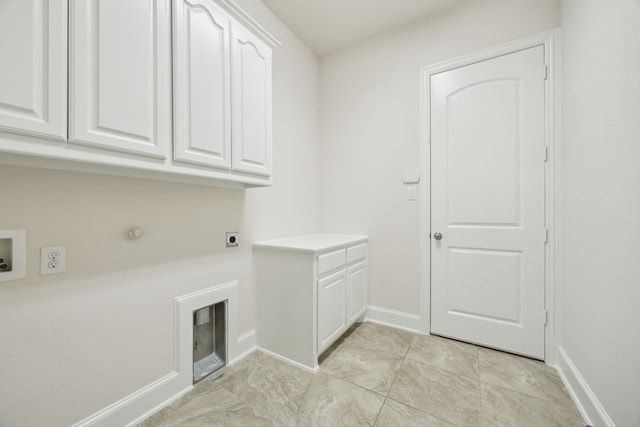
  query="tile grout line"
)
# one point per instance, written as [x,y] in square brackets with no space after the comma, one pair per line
[386,396]
[515,389]
[257,410]
[432,366]
[363,388]
[415,344]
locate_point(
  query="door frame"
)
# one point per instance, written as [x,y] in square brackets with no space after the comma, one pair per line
[550,40]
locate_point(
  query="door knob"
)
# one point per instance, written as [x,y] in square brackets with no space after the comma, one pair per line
[437,236]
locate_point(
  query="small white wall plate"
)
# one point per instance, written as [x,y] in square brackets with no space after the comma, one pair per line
[18,254]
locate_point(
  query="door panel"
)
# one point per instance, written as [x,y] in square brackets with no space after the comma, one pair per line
[469,203]
[251,100]
[357,287]
[202,84]
[487,127]
[498,271]
[33,75]
[121,75]
[332,309]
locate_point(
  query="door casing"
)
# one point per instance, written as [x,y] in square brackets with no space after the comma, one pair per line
[550,41]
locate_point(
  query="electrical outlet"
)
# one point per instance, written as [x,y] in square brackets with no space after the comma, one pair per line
[411,193]
[233,238]
[53,260]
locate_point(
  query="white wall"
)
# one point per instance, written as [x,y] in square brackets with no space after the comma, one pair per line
[72,344]
[600,210]
[370,130]
[75,343]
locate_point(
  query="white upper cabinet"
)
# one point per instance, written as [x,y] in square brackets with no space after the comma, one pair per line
[165,89]
[251,103]
[120,75]
[33,74]
[202,84]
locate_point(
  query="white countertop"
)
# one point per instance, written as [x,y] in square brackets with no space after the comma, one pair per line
[311,243]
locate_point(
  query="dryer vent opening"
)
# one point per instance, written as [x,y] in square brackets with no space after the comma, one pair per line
[209,339]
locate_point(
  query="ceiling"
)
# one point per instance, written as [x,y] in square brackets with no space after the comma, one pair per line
[329,25]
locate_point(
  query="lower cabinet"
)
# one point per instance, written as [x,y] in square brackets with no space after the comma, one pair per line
[332,309]
[310,290]
[357,290]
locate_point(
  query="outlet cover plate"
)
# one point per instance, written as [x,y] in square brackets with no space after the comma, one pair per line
[233,238]
[53,260]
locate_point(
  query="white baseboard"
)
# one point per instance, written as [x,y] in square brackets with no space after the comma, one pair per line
[590,407]
[160,406]
[144,401]
[150,399]
[247,344]
[289,361]
[396,319]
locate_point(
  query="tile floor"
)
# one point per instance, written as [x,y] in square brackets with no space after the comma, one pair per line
[380,376]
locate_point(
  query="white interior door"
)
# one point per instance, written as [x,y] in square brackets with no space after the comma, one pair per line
[487,221]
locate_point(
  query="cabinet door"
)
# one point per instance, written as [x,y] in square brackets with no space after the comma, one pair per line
[202,59]
[120,82]
[357,290]
[251,103]
[33,74]
[332,309]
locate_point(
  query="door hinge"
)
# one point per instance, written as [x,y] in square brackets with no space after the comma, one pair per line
[546,72]
[546,154]
[546,317]
[546,235]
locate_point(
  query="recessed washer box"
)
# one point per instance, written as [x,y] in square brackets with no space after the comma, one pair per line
[13,254]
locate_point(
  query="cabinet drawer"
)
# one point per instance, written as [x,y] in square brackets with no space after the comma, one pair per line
[356,253]
[331,261]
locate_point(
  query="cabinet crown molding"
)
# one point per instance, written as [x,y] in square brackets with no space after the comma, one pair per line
[239,13]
